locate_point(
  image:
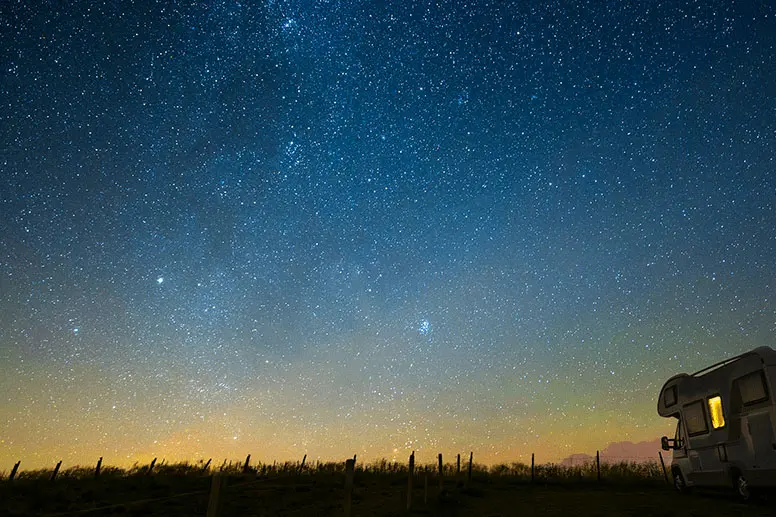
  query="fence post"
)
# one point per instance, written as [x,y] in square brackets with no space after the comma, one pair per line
[409,481]
[469,476]
[532,468]
[56,471]
[441,473]
[97,468]
[247,464]
[151,467]
[458,467]
[350,466]
[214,503]
[598,465]
[14,470]
[662,464]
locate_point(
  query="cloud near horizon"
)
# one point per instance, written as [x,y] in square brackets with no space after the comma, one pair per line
[616,452]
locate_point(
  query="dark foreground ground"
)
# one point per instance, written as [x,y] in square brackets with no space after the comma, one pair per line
[378,496]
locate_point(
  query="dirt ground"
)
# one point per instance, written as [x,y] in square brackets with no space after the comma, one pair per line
[324,496]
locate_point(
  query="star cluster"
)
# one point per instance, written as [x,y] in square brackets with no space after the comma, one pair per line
[332,227]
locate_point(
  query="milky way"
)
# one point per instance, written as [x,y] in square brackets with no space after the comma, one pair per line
[336,228]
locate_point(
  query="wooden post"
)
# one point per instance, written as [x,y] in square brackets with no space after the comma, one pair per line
[204,469]
[151,467]
[469,475]
[247,465]
[14,470]
[56,471]
[662,464]
[214,502]
[598,465]
[458,466]
[532,468]
[97,468]
[409,481]
[301,467]
[441,474]
[350,466]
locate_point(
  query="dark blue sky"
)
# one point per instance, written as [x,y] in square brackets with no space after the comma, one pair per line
[510,223]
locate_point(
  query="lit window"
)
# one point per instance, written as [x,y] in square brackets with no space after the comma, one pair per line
[715,410]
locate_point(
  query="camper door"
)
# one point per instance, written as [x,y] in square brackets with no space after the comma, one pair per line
[757,424]
[680,452]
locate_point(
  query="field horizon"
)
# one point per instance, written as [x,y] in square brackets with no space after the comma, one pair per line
[380,488]
[613,453]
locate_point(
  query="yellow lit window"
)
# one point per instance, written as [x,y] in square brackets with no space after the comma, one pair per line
[715,410]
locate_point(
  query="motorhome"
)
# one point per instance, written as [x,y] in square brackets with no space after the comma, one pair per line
[726,415]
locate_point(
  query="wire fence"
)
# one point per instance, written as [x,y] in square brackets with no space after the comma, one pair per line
[232,479]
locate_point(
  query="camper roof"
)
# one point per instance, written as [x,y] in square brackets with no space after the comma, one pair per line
[767,354]
[683,386]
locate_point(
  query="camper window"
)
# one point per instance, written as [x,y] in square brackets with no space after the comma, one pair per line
[715,411]
[669,396]
[752,388]
[695,418]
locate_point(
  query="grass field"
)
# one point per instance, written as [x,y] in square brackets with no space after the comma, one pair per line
[379,490]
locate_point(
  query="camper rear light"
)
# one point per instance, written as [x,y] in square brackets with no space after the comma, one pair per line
[715,410]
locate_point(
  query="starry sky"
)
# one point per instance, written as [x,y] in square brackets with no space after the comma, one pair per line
[333,227]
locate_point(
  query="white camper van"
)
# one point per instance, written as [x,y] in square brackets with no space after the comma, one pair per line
[726,415]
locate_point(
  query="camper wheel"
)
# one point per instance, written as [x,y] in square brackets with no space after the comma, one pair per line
[679,483]
[741,486]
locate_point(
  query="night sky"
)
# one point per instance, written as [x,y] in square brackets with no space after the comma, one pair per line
[335,228]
